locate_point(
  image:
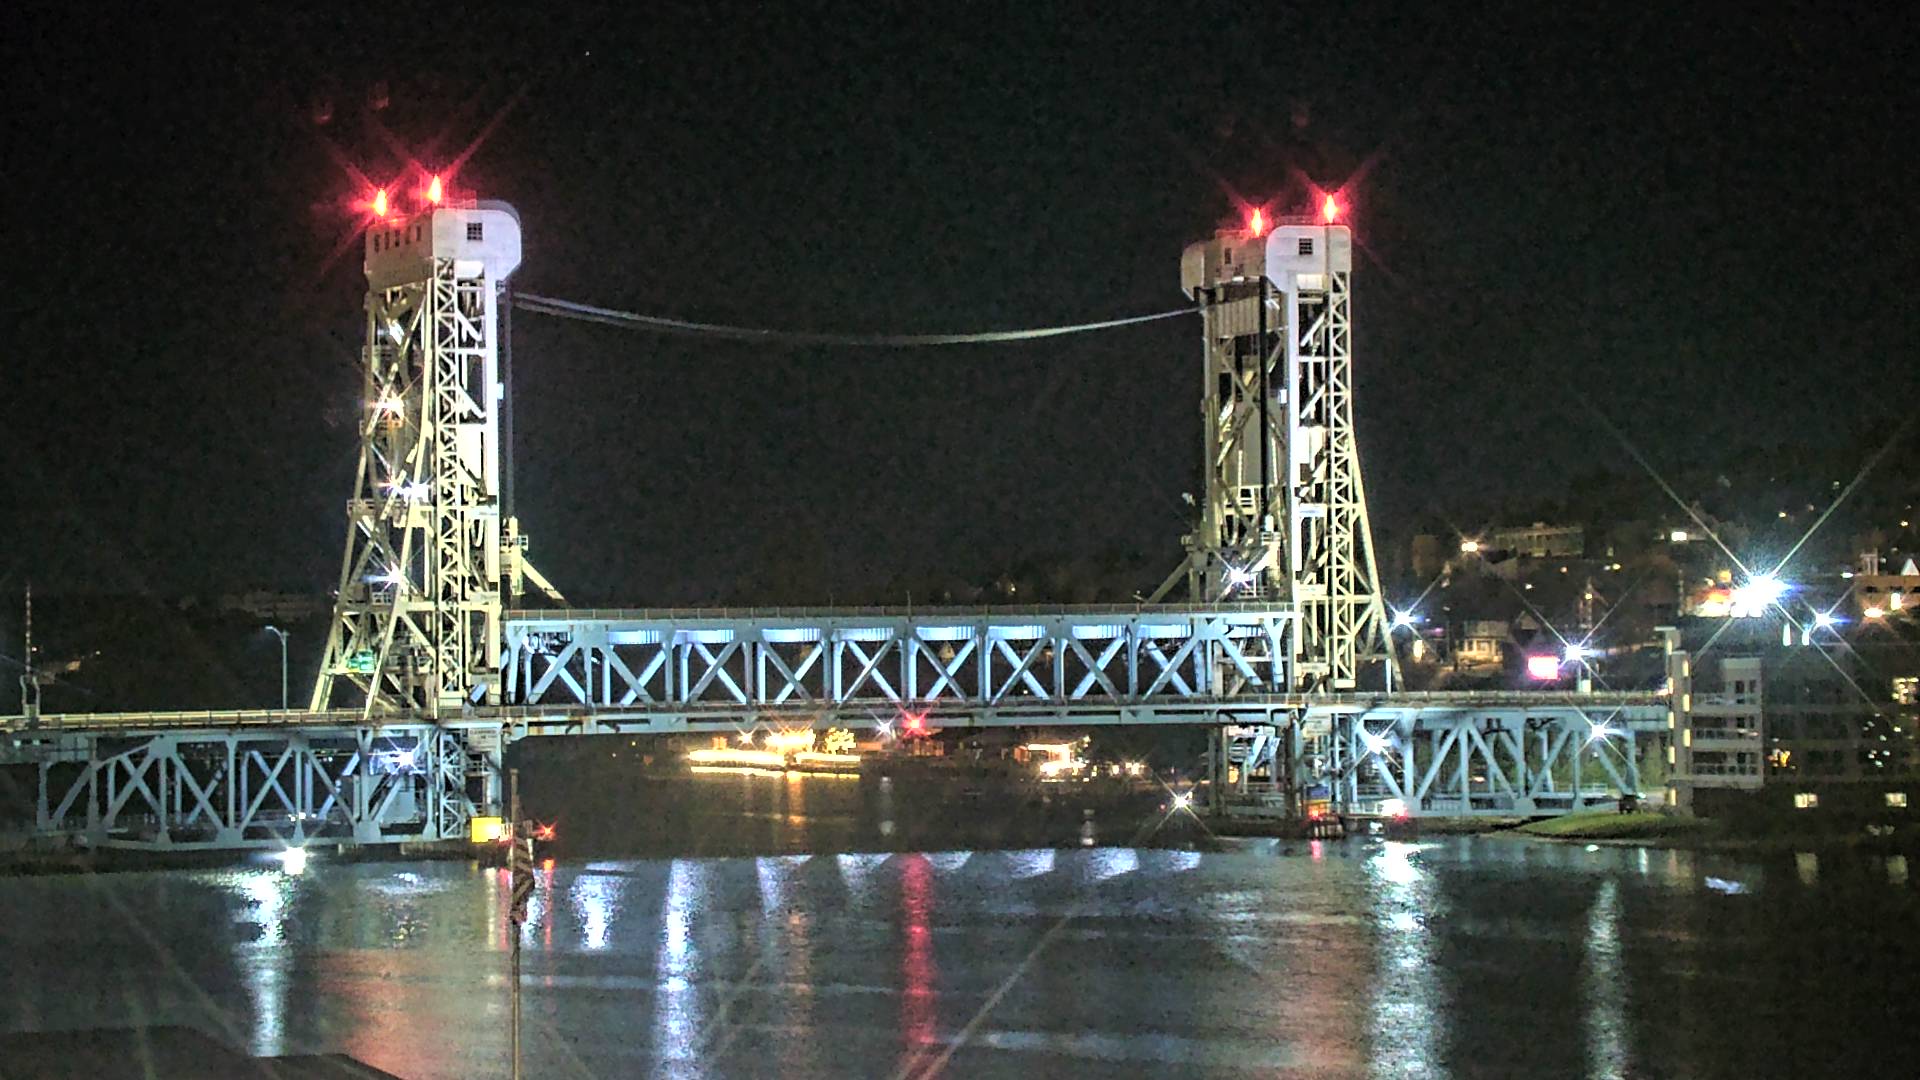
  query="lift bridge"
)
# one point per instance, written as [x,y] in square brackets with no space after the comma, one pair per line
[447,644]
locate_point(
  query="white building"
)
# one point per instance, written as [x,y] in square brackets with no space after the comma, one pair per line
[1727,730]
[1539,540]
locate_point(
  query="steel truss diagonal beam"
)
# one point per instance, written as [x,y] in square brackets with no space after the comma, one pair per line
[845,661]
[1496,761]
[265,788]
[416,626]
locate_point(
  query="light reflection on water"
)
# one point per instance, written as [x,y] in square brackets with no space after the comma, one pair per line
[1606,992]
[1406,994]
[1347,958]
[265,959]
[678,1012]
[595,897]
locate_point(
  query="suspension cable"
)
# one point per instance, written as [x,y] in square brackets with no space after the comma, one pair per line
[628,320]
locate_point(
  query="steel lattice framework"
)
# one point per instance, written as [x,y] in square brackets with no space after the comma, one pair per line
[994,665]
[266,787]
[1336,585]
[417,619]
[1285,510]
[1465,761]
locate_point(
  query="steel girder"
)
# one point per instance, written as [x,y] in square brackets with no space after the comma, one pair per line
[1335,582]
[1236,551]
[1481,762]
[416,625]
[1044,665]
[236,789]
[1285,513]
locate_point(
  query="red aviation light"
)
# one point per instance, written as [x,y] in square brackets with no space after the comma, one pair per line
[434,191]
[1329,210]
[1257,224]
[379,203]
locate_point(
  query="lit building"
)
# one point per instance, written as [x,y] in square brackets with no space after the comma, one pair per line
[1725,744]
[1796,725]
[1483,644]
[1881,596]
[1538,540]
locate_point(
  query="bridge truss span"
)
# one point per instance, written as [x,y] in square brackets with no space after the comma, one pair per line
[276,780]
[926,663]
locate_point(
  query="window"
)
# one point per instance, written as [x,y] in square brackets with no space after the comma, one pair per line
[1306,245]
[1897,800]
[1805,800]
[376,242]
[475,230]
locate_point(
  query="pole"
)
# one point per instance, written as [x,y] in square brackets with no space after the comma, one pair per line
[29,682]
[513,925]
[282,635]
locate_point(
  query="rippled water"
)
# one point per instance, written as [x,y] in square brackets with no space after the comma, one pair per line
[1466,956]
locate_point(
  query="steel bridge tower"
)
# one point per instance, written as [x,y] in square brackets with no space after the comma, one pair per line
[1284,516]
[417,620]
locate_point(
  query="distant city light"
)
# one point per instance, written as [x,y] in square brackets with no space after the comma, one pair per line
[1183,800]
[1543,666]
[1329,210]
[1677,536]
[293,860]
[1602,731]
[1239,576]
[714,755]
[1376,743]
[787,741]
[1576,653]
[379,204]
[1875,612]
[1257,224]
[1404,618]
[1824,619]
[1756,596]
[1469,547]
[434,191]
[1393,808]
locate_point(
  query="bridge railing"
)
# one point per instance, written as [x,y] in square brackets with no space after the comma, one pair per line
[908,611]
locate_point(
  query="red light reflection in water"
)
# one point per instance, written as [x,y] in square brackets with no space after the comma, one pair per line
[546,910]
[917,968]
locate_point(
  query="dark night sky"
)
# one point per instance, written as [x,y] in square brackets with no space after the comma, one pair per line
[1703,225]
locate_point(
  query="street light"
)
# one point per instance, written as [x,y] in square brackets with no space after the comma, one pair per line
[282,635]
[1753,598]
[1400,619]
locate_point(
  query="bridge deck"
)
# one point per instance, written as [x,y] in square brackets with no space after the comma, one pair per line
[1641,709]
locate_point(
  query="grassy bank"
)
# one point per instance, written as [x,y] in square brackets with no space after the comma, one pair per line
[1611,825]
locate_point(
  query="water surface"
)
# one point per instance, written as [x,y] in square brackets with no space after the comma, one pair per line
[1460,956]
